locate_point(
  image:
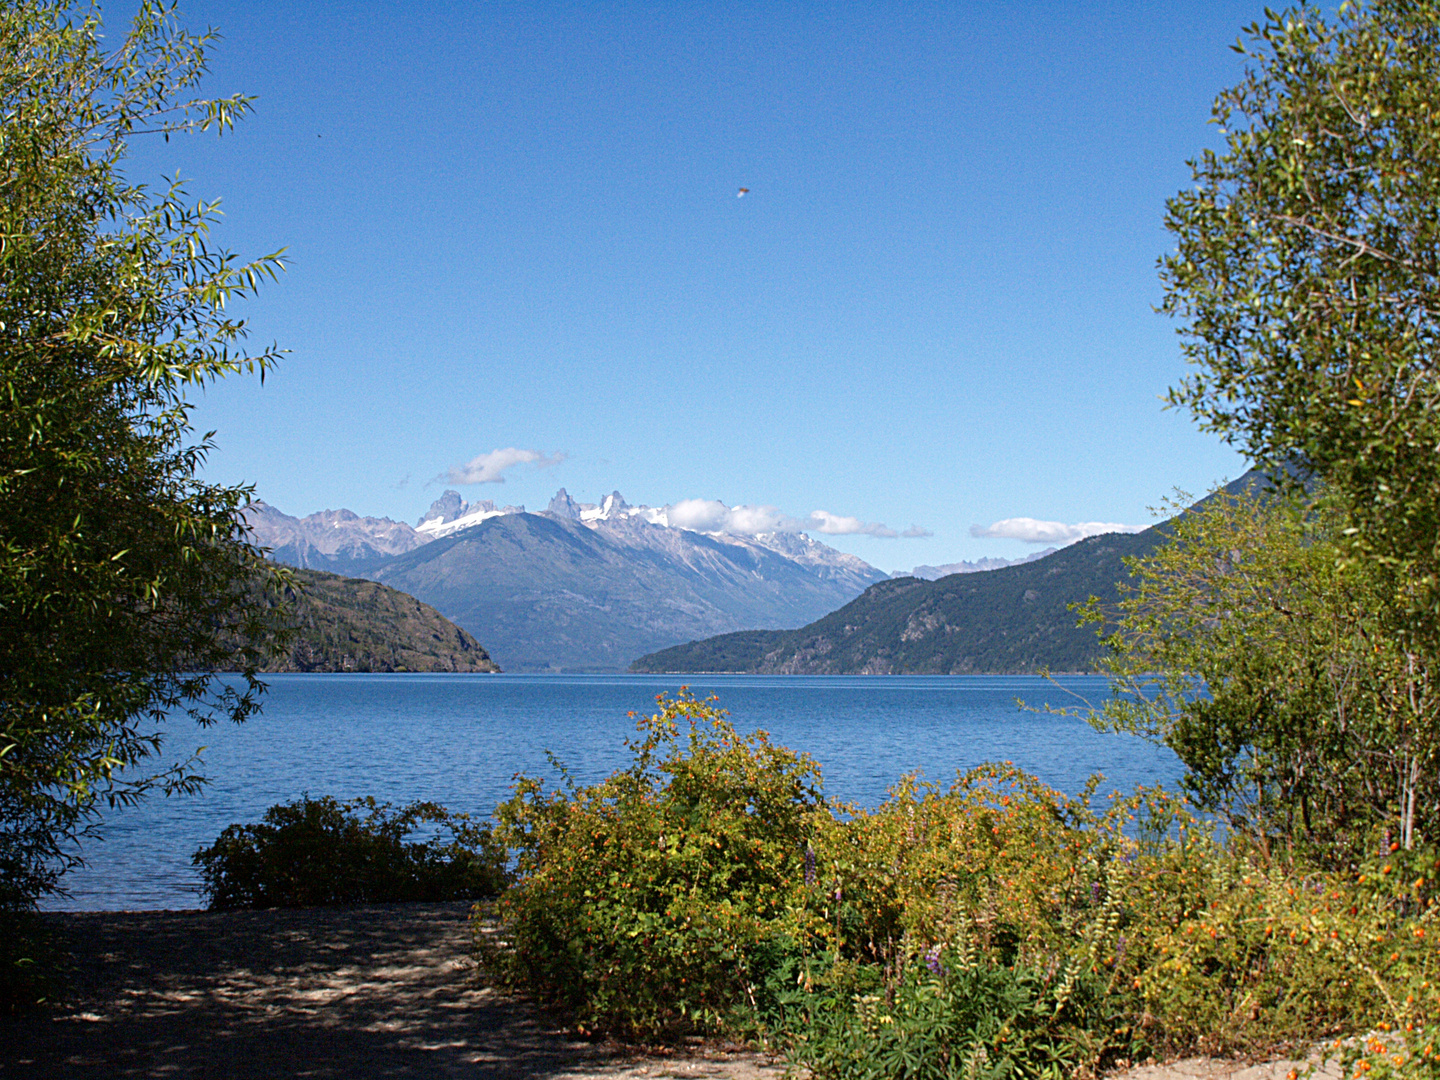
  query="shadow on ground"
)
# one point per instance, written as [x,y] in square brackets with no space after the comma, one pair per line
[382,991]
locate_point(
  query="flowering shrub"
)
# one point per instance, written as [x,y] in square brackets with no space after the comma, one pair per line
[1388,936]
[660,899]
[993,928]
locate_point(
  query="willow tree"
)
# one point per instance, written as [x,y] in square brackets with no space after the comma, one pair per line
[1307,276]
[124,578]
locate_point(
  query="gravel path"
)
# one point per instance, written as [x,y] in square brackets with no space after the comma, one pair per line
[383,991]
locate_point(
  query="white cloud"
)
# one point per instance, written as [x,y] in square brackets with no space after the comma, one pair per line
[491,468]
[840,525]
[750,520]
[711,515]
[1048,532]
[699,515]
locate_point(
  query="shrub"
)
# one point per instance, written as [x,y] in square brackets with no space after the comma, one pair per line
[992,928]
[946,1016]
[659,900]
[1107,935]
[321,851]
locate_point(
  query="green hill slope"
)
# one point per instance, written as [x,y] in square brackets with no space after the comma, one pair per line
[345,624]
[1011,620]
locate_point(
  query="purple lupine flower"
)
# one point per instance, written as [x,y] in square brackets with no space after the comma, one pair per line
[1094,892]
[932,960]
[809,865]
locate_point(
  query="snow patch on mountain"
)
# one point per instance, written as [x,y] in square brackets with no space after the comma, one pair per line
[450,513]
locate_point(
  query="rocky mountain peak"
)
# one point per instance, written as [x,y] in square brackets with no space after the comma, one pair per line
[563,506]
[447,507]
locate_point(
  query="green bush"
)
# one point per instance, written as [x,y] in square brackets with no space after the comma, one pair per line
[658,900]
[945,1016]
[1134,931]
[314,852]
[992,928]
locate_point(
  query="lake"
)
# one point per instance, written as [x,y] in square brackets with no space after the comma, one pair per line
[460,739]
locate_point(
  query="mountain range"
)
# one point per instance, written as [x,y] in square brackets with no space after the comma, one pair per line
[935,573]
[578,586]
[1014,619]
[335,540]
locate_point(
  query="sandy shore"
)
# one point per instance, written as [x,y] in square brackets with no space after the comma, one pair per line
[387,991]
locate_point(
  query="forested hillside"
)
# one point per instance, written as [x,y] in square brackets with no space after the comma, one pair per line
[346,624]
[1011,620]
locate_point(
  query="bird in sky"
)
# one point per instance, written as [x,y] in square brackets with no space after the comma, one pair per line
[742,193]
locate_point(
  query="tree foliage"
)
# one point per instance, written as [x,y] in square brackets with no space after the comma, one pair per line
[1307,273]
[1260,656]
[123,575]
[1307,270]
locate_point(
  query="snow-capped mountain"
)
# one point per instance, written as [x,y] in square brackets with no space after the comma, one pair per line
[578,586]
[450,514]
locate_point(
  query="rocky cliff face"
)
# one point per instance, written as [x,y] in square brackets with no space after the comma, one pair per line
[563,506]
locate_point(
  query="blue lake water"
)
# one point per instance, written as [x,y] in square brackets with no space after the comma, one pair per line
[460,739]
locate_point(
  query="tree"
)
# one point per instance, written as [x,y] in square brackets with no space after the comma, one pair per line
[1246,645]
[1307,269]
[125,580]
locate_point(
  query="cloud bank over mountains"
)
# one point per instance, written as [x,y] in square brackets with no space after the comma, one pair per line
[1032,531]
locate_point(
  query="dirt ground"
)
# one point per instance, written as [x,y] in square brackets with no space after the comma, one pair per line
[384,991]
[387,991]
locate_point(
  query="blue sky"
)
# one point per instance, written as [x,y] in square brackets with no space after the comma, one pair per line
[516,226]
